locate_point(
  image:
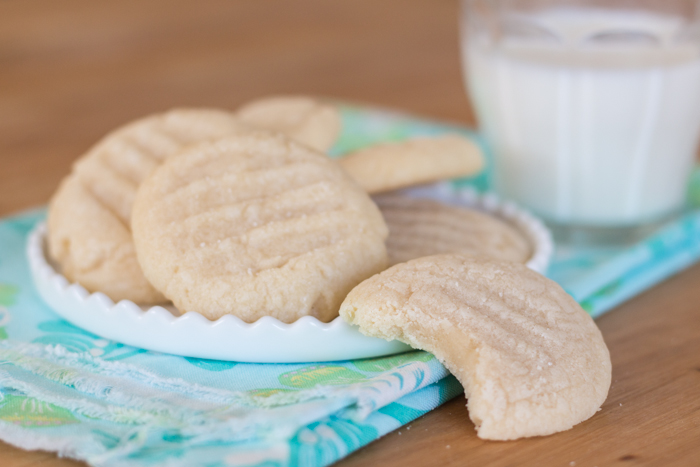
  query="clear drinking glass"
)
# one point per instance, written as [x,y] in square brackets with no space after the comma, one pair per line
[591,108]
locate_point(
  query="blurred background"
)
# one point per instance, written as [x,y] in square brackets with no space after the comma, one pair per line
[70,71]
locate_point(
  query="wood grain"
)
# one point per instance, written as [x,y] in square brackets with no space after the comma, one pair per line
[70,71]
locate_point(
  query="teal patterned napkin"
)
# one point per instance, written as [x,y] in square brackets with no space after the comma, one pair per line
[68,391]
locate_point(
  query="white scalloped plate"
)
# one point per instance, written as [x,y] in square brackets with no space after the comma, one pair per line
[229,338]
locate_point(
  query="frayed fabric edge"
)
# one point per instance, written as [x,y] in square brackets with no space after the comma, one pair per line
[63,367]
[61,357]
[28,440]
[83,361]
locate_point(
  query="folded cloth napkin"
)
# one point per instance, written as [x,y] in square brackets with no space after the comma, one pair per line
[65,390]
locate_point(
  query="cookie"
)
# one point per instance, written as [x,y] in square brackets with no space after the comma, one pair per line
[389,166]
[256,225]
[422,227]
[304,119]
[93,247]
[531,361]
[89,233]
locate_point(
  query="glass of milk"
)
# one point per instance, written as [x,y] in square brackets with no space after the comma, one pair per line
[591,108]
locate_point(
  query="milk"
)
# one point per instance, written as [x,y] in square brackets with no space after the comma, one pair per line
[593,116]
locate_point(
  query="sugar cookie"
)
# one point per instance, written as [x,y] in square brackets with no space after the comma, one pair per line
[89,233]
[422,227]
[256,225]
[304,119]
[389,166]
[93,246]
[531,361]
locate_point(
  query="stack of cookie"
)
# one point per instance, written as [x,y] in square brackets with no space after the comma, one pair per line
[243,213]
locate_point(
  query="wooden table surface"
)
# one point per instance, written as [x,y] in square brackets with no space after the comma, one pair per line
[70,71]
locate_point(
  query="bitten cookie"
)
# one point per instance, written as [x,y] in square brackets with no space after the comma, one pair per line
[256,225]
[389,166]
[422,227]
[304,119]
[89,233]
[531,361]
